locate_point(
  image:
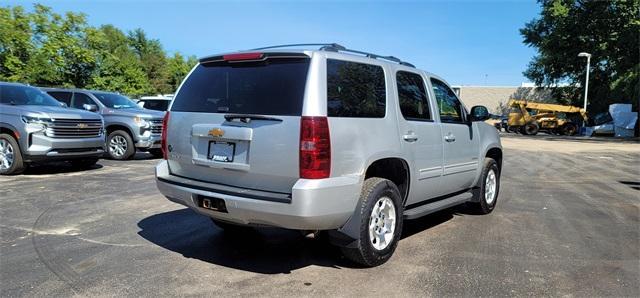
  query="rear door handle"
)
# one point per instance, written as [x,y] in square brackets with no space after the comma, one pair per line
[450,138]
[410,137]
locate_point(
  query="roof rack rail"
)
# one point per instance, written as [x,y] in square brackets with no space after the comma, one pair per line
[334,47]
[323,46]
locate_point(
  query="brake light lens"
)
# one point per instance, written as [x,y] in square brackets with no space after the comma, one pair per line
[315,148]
[163,136]
[242,56]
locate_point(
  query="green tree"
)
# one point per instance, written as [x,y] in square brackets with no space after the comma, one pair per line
[177,69]
[609,30]
[152,58]
[120,70]
[61,56]
[48,49]
[16,47]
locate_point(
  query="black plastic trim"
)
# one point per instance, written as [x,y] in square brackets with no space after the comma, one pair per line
[232,190]
[432,200]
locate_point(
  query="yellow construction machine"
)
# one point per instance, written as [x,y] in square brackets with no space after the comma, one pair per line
[531,117]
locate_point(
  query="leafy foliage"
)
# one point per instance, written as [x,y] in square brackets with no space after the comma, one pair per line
[48,49]
[609,30]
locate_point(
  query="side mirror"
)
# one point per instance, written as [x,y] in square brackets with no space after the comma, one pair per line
[479,113]
[64,105]
[141,104]
[90,108]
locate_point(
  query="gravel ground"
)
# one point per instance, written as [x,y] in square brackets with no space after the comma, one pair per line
[567,223]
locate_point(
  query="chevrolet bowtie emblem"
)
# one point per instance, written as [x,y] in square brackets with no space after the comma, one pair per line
[216,132]
[82,125]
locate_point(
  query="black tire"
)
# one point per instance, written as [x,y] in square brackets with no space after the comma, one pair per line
[481,203]
[374,190]
[531,129]
[157,153]
[17,166]
[84,163]
[569,129]
[118,137]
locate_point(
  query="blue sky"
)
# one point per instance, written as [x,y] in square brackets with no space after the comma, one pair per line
[466,42]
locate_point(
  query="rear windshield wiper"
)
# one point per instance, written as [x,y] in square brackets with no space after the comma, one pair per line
[246,118]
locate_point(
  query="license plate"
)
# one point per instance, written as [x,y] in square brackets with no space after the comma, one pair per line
[221,151]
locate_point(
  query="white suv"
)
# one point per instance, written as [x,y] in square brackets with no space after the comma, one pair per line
[329,139]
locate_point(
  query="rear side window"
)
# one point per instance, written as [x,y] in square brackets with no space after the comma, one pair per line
[62,96]
[270,87]
[412,95]
[355,90]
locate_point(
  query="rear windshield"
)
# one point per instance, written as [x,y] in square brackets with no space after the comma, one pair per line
[158,105]
[271,87]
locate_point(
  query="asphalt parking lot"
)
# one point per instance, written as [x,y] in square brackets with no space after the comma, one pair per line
[567,223]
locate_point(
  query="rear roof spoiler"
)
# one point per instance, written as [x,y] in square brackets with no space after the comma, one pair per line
[332,47]
[249,56]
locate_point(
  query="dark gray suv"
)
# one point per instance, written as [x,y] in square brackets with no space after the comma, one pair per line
[129,127]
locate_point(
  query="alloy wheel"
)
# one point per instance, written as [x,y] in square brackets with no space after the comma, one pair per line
[6,154]
[490,186]
[382,223]
[118,146]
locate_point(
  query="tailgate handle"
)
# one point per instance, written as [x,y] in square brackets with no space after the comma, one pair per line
[246,118]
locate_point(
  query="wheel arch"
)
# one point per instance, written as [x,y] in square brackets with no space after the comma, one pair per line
[9,129]
[113,127]
[495,153]
[395,169]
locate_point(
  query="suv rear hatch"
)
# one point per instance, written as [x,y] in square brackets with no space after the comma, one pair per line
[236,121]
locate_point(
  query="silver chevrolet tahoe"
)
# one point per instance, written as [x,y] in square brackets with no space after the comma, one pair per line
[328,140]
[34,127]
[128,125]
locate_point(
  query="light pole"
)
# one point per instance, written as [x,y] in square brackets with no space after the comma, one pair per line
[586,83]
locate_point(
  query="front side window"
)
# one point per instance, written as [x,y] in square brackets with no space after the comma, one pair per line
[450,108]
[79,100]
[115,101]
[25,95]
[412,96]
[355,90]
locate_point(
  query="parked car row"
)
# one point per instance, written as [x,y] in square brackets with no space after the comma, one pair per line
[72,124]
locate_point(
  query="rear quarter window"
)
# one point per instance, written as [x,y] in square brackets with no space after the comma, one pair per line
[270,87]
[355,90]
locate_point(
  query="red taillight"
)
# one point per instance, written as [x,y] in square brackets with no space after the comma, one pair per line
[163,137]
[242,56]
[315,148]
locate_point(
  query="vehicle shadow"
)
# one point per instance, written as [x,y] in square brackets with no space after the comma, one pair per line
[262,250]
[59,167]
[143,156]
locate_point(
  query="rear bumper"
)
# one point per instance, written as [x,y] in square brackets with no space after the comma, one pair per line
[321,204]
